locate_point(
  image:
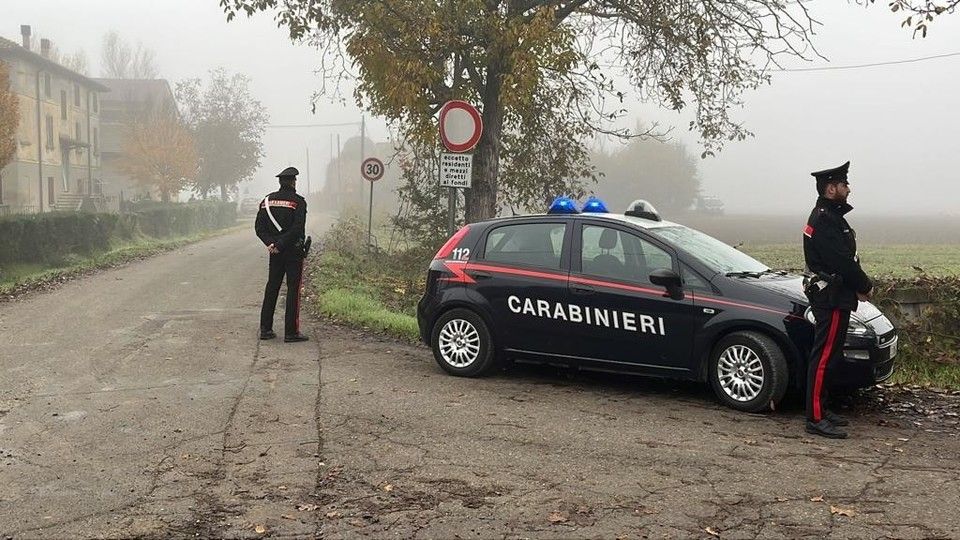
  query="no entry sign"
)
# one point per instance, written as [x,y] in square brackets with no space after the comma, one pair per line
[460,126]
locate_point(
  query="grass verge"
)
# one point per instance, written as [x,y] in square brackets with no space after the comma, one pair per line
[913,371]
[360,309]
[17,279]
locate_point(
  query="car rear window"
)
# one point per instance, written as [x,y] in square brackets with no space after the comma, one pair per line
[530,244]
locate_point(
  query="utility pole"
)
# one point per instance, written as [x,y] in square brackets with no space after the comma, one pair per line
[336,193]
[308,172]
[339,177]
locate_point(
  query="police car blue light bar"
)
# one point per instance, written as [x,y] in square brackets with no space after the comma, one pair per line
[594,205]
[563,205]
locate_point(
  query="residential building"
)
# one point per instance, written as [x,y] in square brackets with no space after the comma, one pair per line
[129,101]
[57,162]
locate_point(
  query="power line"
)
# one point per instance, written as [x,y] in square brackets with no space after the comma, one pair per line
[875,64]
[836,68]
[284,126]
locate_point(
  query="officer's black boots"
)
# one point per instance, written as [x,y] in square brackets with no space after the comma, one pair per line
[835,419]
[825,429]
[267,334]
[295,337]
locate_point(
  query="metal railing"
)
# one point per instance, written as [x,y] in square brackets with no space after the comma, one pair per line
[8,210]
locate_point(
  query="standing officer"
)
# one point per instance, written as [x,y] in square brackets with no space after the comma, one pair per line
[837,284]
[280,225]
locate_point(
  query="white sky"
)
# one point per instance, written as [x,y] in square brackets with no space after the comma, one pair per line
[898,125]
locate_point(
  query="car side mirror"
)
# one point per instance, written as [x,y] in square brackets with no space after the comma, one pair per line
[670,281]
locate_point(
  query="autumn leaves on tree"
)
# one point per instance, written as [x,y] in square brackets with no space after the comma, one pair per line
[160,153]
[541,72]
[9,117]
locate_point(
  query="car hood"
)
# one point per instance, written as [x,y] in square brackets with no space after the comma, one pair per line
[791,286]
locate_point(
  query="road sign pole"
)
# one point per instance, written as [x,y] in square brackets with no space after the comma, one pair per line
[452,209]
[460,128]
[363,157]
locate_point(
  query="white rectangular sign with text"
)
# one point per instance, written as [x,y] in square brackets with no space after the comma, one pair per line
[455,170]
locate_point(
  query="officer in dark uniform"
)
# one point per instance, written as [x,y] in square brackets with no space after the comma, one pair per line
[280,225]
[835,287]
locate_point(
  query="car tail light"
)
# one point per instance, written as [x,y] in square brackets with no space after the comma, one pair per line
[451,243]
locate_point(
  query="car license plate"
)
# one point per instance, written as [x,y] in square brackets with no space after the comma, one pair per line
[893,349]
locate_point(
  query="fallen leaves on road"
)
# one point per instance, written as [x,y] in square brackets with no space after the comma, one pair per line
[712,532]
[260,529]
[849,512]
[334,514]
[558,517]
[388,487]
[307,507]
[818,498]
[287,516]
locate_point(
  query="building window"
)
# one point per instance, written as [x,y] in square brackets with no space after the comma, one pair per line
[63,104]
[46,85]
[76,94]
[96,102]
[49,127]
[96,141]
[51,190]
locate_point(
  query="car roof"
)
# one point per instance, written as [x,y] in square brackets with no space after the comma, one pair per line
[619,218]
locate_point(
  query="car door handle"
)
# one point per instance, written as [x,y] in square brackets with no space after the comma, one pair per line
[582,289]
[481,275]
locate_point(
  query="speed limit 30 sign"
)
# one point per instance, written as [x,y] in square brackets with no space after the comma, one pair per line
[372,169]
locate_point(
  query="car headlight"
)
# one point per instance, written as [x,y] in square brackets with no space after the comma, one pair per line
[856,327]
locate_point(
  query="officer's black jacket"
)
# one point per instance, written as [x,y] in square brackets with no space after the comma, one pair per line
[290,211]
[830,248]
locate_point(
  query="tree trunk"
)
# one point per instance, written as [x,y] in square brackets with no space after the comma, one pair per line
[223,192]
[481,199]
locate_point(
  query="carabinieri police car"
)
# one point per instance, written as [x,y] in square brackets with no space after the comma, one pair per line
[632,293]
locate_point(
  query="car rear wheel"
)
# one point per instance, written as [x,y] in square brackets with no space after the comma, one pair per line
[748,372]
[462,344]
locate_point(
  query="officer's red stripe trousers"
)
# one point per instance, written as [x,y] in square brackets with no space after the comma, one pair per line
[822,365]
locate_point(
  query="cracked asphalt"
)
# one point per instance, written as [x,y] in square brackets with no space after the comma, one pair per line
[138,403]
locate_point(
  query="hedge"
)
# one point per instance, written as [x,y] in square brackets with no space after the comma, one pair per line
[39,238]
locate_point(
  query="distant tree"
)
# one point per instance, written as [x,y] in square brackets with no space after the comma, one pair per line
[120,60]
[76,61]
[523,59]
[664,173]
[227,125]
[9,117]
[159,153]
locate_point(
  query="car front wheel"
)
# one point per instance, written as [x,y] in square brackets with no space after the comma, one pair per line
[462,344]
[748,372]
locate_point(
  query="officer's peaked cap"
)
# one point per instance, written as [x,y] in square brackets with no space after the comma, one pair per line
[289,172]
[829,176]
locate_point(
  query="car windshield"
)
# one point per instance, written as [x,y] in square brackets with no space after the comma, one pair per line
[712,252]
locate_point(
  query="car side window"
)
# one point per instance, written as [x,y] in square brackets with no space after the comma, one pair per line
[611,253]
[693,280]
[533,244]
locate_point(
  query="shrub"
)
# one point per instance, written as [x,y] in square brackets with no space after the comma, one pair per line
[39,238]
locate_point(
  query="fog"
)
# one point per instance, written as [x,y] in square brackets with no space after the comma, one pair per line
[897,124]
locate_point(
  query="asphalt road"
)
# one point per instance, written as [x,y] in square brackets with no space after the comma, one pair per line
[139,402]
